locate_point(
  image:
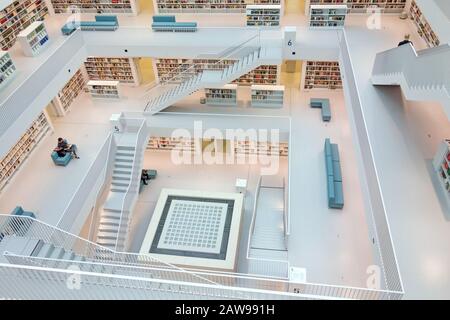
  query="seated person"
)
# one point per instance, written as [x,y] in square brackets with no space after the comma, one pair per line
[61,152]
[405,41]
[144,176]
[63,146]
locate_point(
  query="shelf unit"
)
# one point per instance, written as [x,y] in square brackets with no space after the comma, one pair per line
[266,96]
[130,7]
[208,6]
[69,92]
[441,164]
[104,89]
[167,69]
[321,75]
[263,15]
[361,6]
[249,147]
[225,95]
[327,16]
[17,16]
[33,39]
[423,27]
[7,68]
[17,155]
[114,69]
[169,143]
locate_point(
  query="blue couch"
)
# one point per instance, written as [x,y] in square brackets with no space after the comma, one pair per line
[101,23]
[334,175]
[61,161]
[323,104]
[168,23]
[17,226]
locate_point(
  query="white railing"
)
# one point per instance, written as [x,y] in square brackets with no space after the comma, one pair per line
[85,196]
[429,67]
[131,194]
[378,212]
[252,223]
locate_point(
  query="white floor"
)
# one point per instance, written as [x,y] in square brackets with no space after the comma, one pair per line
[404,136]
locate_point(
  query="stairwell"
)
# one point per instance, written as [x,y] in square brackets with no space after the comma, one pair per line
[422,75]
[253,57]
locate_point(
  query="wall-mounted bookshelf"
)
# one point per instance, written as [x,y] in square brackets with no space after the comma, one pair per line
[17,155]
[7,68]
[225,95]
[169,143]
[321,75]
[423,27]
[167,69]
[441,164]
[249,147]
[266,96]
[208,6]
[115,69]
[69,92]
[16,17]
[263,15]
[327,16]
[130,7]
[33,39]
[361,6]
[104,89]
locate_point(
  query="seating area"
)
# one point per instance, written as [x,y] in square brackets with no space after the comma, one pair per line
[61,161]
[151,175]
[169,24]
[17,226]
[101,23]
[323,104]
[334,175]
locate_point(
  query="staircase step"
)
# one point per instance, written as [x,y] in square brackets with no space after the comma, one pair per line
[57,253]
[120,184]
[117,190]
[123,165]
[119,176]
[68,255]
[122,171]
[109,215]
[45,251]
[110,221]
[107,235]
[109,243]
[123,159]
[126,148]
[108,228]
[125,154]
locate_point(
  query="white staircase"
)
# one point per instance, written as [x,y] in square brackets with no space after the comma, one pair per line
[423,75]
[116,211]
[167,94]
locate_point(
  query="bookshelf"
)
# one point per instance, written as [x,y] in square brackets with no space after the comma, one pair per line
[167,69]
[441,164]
[423,27]
[249,147]
[208,6]
[266,96]
[7,68]
[170,143]
[225,95]
[114,69]
[327,16]
[17,16]
[104,89]
[33,39]
[361,6]
[17,155]
[69,92]
[130,7]
[263,15]
[321,75]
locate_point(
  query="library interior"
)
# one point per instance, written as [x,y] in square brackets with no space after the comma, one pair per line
[225,149]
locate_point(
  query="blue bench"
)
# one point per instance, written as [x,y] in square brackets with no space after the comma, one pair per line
[101,23]
[168,23]
[61,161]
[323,104]
[334,175]
[17,226]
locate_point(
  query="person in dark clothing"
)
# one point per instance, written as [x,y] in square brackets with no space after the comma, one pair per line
[144,176]
[64,146]
[405,41]
[61,153]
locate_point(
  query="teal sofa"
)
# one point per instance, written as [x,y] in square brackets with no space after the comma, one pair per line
[101,23]
[334,175]
[17,226]
[61,161]
[323,104]
[168,24]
